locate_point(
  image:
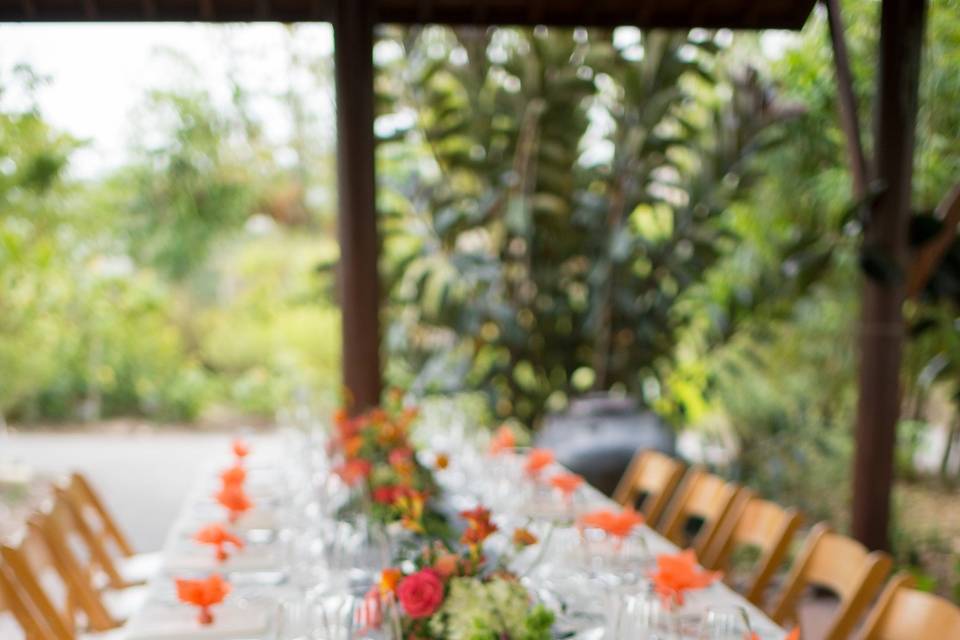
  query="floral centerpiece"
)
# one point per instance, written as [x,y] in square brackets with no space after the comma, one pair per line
[454,594]
[377,455]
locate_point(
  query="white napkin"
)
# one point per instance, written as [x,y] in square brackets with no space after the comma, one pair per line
[203,559]
[180,623]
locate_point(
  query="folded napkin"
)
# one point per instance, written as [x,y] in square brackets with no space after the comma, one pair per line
[180,623]
[615,523]
[200,560]
[679,573]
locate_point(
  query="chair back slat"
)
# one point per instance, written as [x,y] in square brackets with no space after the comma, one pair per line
[33,572]
[33,623]
[763,525]
[703,496]
[84,492]
[56,529]
[904,613]
[653,475]
[843,566]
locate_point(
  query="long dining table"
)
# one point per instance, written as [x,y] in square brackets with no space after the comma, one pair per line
[271,574]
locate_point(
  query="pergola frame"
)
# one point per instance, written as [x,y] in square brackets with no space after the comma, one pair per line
[895,112]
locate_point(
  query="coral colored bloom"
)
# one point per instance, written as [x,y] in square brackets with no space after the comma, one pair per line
[537,461]
[523,537]
[421,593]
[679,573]
[235,500]
[794,634]
[240,448]
[479,526]
[353,471]
[566,483]
[369,615]
[203,594]
[216,535]
[446,565]
[389,579]
[235,475]
[503,440]
[618,524]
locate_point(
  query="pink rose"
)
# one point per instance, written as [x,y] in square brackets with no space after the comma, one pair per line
[421,593]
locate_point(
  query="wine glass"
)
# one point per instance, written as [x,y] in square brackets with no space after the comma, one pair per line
[725,623]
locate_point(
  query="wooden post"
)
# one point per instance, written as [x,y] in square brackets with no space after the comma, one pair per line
[881,331]
[358,278]
[849,118]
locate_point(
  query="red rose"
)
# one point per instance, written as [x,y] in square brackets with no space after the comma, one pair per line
[421,593]
[386,494]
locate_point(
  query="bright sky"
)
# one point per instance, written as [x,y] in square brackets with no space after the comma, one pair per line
[101,72]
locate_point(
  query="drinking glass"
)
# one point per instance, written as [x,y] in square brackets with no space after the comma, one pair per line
[332,616]
[725,623]
[641,616]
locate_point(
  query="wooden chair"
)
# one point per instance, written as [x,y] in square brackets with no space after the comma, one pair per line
[121,564]
[107,544]
[701,496]
[843,566]
[33,623]
[57,530]
[52,587]
[760,524]
[652,477]
[903,613]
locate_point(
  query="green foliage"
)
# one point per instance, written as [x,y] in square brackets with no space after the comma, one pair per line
[566,195]
[184,285]
[189,188]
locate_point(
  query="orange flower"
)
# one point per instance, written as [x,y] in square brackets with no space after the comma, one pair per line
[523,537]
[219,537]
[678,573]
[566,483]
[446,564]
[240,448]
[618,524]
[352,446]
[479,527]
[353,471]
[503,440]
[794,634]
[235,475]
[203,594]
[442,461]
[410,504]
[388,580]
[537,461]
[235,500]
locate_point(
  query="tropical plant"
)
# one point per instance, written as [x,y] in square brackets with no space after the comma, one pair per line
[566,191]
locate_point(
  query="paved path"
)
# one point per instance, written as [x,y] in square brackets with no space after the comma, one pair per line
[144,477]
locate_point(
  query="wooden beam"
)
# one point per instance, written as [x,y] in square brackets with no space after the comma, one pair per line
[881,331]
[849,116]
[359,288]
[930,254]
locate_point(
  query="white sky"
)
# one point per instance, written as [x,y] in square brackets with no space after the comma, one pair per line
[101,72]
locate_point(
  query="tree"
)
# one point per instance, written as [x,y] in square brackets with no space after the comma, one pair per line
[565,191]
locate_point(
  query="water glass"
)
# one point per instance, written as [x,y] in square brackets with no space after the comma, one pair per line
[641,616]
[725,623]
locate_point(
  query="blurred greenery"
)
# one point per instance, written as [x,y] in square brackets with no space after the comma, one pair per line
[185,285]
[664,215]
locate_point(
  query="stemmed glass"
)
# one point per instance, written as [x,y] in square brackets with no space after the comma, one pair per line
[725,623]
